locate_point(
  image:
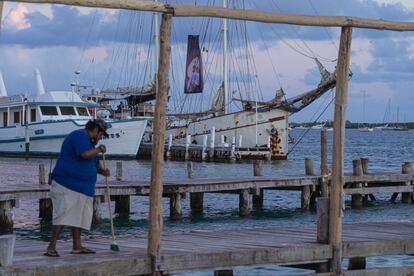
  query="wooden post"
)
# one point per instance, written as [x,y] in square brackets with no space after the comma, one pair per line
[364,162]
[406,168]
[175,206]
[122,202]
[357,171]
[196,199]
[122,205]
[341,100]
[45,204]
[322,227]
[42,175]
[324,163]
[119,171]
[357,202]
[226,272]
[258,195]
[244,209]
[97,213]
[6,217]
[157,169]
[357,263]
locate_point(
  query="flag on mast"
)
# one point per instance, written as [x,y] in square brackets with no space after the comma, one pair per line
[194,67]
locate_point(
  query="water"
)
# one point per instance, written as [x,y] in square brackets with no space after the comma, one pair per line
[386,150]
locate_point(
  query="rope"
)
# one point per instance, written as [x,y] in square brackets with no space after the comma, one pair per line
[307,130]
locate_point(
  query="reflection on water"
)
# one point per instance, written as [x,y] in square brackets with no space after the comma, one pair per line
[385,150]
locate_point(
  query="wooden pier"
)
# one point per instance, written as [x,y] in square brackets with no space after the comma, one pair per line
[219,250]
[334,240]
[20,184]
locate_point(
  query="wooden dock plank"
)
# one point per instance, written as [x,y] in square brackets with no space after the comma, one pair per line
[211,249]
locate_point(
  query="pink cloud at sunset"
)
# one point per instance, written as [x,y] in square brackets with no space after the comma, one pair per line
[16,19]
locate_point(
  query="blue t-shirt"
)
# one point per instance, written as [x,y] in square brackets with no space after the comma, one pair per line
[71,170]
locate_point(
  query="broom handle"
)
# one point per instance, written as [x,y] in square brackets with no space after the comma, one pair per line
[108,195]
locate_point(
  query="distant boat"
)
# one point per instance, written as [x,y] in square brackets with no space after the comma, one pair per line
[317,126]
[364,128]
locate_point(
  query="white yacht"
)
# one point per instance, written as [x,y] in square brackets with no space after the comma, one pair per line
[38,125]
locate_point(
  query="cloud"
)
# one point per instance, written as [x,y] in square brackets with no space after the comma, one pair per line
[16,19]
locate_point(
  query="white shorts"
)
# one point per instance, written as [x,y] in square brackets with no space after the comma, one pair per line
[71,208]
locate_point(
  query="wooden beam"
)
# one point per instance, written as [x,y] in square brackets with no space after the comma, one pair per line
[303,20]
[239,14]
[1,12]
[157,169]
[341,100]
[110,4]
[373,190]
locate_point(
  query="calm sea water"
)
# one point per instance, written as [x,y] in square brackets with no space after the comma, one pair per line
[386,150]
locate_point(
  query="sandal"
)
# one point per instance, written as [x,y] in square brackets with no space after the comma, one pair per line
[83,250]
[51,253]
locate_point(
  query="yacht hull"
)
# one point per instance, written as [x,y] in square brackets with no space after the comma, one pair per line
[46,138]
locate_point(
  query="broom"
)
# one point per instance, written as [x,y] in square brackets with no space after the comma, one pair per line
[114,246]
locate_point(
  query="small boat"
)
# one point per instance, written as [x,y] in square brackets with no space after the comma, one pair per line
[38,125]
[365,129]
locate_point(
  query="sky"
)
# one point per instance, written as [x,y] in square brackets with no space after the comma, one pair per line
[111,48]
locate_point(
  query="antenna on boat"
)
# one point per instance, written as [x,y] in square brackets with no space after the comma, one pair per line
[225,63]
[39,83]
[3,91]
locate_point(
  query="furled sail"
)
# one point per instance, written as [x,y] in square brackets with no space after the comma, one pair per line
[218,101]
[297,103]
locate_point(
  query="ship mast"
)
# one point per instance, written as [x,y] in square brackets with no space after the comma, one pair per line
[225,64]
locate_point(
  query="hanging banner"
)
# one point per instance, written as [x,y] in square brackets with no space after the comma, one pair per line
[194,67]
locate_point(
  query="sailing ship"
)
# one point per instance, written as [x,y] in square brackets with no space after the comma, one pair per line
[257,127]
[363,128]
[39,124]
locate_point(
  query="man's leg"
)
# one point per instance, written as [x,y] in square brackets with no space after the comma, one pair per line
[76,235]
[55,236]
[77,244]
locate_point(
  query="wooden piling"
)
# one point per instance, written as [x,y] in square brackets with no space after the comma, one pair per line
[122,202]
[258,194]
[157,168]
[324,163]
[341,99]
[226,272]
[357,202]
[244,209]
[357,199]
[97,213]
[175,206]
[197,198]
[42,174]
[122,205]
[406,168]
[306,190]
[119,171]
[357,263]
[45,204]
[322,228]
[6,217]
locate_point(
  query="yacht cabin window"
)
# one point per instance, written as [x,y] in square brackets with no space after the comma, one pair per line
[5,119]
[82,111]
[67,110]
[16,117]
[49,110]
[33,115]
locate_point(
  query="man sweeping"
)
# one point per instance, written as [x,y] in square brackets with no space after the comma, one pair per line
[73,188]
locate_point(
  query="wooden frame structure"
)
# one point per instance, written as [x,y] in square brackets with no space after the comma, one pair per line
[346,23]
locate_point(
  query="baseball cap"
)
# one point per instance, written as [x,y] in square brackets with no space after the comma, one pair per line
[102,125]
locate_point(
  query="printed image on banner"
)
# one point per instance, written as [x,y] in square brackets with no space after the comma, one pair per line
[194,67]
